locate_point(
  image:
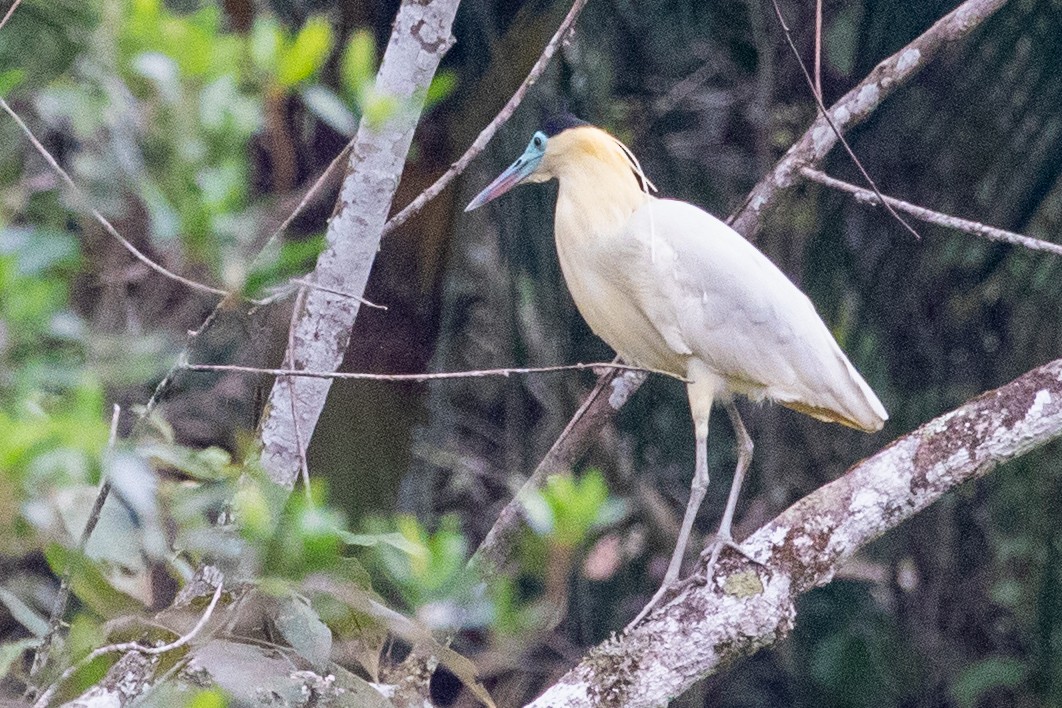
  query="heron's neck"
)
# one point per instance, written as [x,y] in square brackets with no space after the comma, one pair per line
[596,199]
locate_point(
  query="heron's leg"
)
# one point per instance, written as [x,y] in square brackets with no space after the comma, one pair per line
[698,487]
[723,537]
[700,407]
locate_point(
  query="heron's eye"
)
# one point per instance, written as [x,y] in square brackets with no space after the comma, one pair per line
[537,141]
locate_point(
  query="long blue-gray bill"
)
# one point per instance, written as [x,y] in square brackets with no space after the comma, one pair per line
[514,175]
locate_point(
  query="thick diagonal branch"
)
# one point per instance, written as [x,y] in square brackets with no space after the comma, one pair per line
[747,607]
[322,327]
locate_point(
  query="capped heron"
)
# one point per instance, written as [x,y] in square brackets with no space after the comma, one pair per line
[670,287]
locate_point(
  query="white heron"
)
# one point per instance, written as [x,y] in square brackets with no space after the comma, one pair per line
[670,287]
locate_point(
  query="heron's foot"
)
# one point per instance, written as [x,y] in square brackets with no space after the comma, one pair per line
[651,605]
[715,547]
[711,551]
[666,588]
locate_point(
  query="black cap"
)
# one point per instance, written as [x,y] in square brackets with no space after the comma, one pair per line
[561,122]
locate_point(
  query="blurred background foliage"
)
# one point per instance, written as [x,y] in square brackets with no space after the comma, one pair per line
[197,126]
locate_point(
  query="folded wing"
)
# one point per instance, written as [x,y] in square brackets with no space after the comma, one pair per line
[712,295]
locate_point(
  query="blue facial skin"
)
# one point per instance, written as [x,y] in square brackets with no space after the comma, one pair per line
[517,172]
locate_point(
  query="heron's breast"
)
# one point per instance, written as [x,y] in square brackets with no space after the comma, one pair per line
[599,280]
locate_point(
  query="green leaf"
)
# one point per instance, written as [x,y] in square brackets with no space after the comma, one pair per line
[89,584]
[304,631]
[11,651]
[360,691]
[23,614]
[265,44]
[378,108]
[292,258]
[207,698]
[307,54]
[210,465]
[330,108]
[38,249]
[986,675]
[441,86]
[358,66]
[394,539]
[10,79]
[115,539]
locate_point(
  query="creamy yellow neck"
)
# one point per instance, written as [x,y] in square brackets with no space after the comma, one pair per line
[598,193]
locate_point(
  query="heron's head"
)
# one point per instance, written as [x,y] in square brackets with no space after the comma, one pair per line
[564,145]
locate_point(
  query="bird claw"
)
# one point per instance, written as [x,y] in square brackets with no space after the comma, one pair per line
[649,607]
[715,547]
[712,550]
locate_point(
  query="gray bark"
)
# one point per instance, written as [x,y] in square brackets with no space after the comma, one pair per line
[322,326]
[744,607]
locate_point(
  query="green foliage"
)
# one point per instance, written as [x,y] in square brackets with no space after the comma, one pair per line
[980,679]
[207,698]
[569,509]
[424,566]
[276,265]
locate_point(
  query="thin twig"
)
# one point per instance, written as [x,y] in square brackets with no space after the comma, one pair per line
[833,126]
[314,286]
[125,647]
[62,597]
[499,120]
[818,49]
[108,227]
[934,217]
[10,12]
[310,194]
[481,373]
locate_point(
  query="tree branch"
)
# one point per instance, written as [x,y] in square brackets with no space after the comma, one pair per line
[485,136]
[421,36]
[853,108]
[419,378]
[934,217]
[747,607]
[856,106]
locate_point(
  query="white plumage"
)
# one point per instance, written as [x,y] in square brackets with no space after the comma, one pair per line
[671,287]
[691,287]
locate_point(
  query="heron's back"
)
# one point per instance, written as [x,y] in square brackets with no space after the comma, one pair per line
[675,283]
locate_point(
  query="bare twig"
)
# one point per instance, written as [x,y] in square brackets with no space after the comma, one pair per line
[499,120]
[934,217]
[310,194]
[816,91]
[745,606]
[314,286]
[855,107]
[818,49]
[10,12]
[107,225]
[62,597]
[126,647]
[479,373]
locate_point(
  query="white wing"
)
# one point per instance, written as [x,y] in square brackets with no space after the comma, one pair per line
[712,295]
